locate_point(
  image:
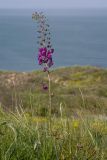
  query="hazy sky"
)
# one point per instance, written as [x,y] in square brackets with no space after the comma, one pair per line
[53,3]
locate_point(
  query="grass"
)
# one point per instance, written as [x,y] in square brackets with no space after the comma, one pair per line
[26,137]
[78,126]
[70,86]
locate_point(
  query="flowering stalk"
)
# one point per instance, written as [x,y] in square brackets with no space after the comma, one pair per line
[45,50]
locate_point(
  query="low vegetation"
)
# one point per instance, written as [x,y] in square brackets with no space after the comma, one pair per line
[72,87]
[77,129]
[27,137]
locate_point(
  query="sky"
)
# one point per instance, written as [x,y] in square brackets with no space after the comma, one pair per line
[53,4]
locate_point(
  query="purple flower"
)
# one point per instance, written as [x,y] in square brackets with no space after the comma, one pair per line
[45,87]
[43,50]
[49,55]
[45,57]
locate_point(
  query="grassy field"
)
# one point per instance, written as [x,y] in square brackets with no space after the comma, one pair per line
[77,129]
[26,137]
[83,88]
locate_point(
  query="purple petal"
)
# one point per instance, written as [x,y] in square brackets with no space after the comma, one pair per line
[45,49]
[41,49]
[49,55]
[43,53]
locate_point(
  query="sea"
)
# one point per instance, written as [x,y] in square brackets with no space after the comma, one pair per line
[79,37]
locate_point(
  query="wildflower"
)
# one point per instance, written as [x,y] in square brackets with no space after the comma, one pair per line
[45,57]
[45,87]
[75,124]
[45,49]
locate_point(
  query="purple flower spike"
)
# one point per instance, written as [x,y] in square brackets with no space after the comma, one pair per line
[45,50]
[45,47]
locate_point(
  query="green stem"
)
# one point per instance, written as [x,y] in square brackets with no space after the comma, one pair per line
[50,101]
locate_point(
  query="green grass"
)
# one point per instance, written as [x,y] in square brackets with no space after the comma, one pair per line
[26,137]
[75,87]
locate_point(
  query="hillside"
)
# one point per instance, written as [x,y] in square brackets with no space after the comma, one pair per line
[73,88]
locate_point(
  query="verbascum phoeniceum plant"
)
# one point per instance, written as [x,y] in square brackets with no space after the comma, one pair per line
[45,50]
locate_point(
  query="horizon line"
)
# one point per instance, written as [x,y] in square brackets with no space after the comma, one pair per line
[55,8]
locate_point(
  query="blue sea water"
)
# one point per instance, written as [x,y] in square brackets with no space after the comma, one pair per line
[79,38]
